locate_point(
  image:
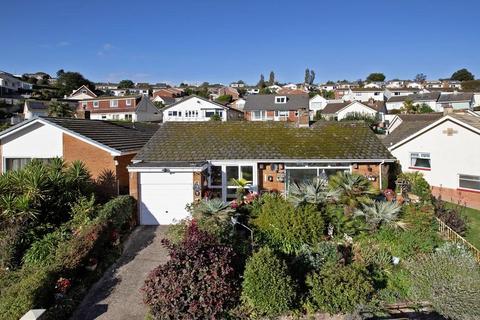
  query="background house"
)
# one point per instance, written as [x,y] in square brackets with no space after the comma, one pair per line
[397,102]
[267,107]
[340,110]
[363,94]
[195,108]
[81,93]
[128,108]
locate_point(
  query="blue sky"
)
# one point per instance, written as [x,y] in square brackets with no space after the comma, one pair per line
[223,41]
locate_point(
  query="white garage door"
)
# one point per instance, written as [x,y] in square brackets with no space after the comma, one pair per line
[164,197]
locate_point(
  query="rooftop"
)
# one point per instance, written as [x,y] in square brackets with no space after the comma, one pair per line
[411,123]
[197,142]
[267,102]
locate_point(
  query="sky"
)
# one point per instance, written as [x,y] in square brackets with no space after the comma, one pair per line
[224,41]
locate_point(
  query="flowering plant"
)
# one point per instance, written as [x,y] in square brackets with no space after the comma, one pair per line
[62,285]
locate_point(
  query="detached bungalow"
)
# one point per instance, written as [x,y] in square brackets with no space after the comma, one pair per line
[268,107]
[195,108]
[341,110]
[184,162]
[101,146]
[458,101]
[430,99]
[445,151]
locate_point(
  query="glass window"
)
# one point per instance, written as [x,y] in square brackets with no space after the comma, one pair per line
[232,173]
[257,115]
[19,163]
[113,103]
[300,175]
[129,102]
[216,176]
[247,173]
[420,160]
[95,104]
[469,182]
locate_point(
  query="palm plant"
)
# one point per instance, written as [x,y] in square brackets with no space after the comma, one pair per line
[214,209]
[381,213]
[314,192]
[354,190]
[242,186]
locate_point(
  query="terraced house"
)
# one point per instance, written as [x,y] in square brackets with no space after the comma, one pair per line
[184,162]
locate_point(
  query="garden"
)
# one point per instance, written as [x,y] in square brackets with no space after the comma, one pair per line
[58,234]
[332,247]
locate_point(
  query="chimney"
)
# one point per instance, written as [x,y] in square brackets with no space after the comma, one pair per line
[303,119]
[447,109]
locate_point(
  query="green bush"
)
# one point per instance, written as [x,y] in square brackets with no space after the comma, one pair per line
[418,185]
[42,251]
[339,289]
[118,211]
[287,228]
[267,287]
[314,257]
[450,279]
[34,290]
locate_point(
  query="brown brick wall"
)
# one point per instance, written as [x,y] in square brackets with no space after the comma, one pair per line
[122,172]
[264,184]
[96,160]
[370,170]
[468,198]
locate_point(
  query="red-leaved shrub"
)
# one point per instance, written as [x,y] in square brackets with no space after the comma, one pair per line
[198,282]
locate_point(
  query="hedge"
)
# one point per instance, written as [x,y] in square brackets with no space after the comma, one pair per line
[37,286]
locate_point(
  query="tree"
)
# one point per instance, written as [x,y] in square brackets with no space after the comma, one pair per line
[409,107]
[309,76]
[425,108]
[60,72]
[261,83]
[375,76]
[471,85]
[59,109]
[124,84]
[420,78]
[328,94]
[224,99]
[271,79]
[69,81]
[462,75]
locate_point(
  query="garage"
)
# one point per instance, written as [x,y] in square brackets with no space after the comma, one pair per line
[164,196]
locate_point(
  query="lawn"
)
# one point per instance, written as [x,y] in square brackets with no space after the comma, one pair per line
[473,233]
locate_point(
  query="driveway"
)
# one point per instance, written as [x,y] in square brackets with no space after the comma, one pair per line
[117,294]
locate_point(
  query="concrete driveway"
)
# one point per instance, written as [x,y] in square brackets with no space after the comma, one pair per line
[117,294]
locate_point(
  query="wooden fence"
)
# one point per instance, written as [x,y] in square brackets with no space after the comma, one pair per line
[451,235]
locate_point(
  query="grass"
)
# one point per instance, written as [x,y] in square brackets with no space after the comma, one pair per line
[473,233]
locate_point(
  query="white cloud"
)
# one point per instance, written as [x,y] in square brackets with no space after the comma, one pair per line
[63,44]
[106,47]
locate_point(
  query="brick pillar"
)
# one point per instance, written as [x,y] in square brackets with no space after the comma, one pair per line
[134,193]
[303,118]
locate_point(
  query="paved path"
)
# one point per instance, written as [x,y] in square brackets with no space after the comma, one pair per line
[117,294]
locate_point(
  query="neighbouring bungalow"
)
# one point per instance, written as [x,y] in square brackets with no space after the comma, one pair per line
[398,92]
[184,162]
[102,146]
[456,100]
[429,98]
[268,107]
[363,94]
[195,108]
[128,108]
[409,122]
[445,151]
[35,108]
[340,110]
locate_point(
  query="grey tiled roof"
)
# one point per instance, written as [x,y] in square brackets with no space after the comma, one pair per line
[201,141]
[109,134]
[332,108]
[469,119]
[431,96]
[454,97]
[411,123]
[267,102]
[36,105]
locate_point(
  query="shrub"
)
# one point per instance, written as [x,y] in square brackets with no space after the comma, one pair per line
[267,287]
[339,289]
[314,257]
[353,190]
[380,213]
[118,211]
[198,282]
[42,251]
[288,228]
[213,216]
[450,279]
[453,217]
[418,185]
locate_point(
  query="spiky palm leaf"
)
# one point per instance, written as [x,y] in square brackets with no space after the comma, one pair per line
[213,208]
[354,190]
[381,213]
[314,192]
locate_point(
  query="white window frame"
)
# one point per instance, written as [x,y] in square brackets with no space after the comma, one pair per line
[84,104]
[420,155]
[254,185]
[254,116]
[96,104]
[468,177]
[114,103]
[128,102]
[281,99]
